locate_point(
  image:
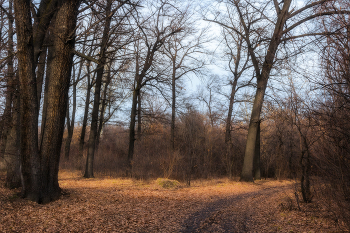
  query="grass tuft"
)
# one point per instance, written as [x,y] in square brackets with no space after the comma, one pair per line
[168,184]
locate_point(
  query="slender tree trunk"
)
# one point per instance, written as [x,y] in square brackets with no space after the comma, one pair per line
[230,110]
[173,106]
[70,123]
[86,112]
[256,172]
[133,118]
[12,151]
[305,169]
[60,75]
[87,101]
[132,131]
[228,141]
[89,172]
[247,170]
[139,117]
[103,108]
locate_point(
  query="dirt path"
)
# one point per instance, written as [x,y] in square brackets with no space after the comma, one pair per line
[235,213]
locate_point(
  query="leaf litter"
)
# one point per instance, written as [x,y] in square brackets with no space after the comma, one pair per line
[108,204]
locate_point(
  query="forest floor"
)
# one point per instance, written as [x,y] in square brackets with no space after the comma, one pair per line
[124,205]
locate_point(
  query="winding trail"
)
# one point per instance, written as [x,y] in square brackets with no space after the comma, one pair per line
[231,214]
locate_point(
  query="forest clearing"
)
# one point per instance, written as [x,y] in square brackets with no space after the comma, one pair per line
[243,104]
[107,204]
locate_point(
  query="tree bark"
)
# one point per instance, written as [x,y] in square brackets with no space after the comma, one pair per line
[30,158]
[60,75]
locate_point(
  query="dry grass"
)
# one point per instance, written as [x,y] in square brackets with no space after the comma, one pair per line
[123,205]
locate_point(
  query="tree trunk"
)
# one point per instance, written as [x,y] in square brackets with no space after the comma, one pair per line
[103,108]
[89,173]
[86,112]
[230,110]
[29,103]
[6,117]
[305,169]
[173,108]
[87,101]
[133,117]
[256,172]
[228,142]
[12,141]
[247,170]
[132,131]
[139,117]
[60,75]
[70,123]
[12,151]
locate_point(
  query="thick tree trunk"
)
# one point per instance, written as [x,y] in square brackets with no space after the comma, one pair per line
[63,46]
[29,104]
[89,172]
[247,170]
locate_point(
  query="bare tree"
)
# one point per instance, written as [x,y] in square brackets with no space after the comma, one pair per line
[154,31]
[183,51]
[40,169]
[109,11]
[285,21]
